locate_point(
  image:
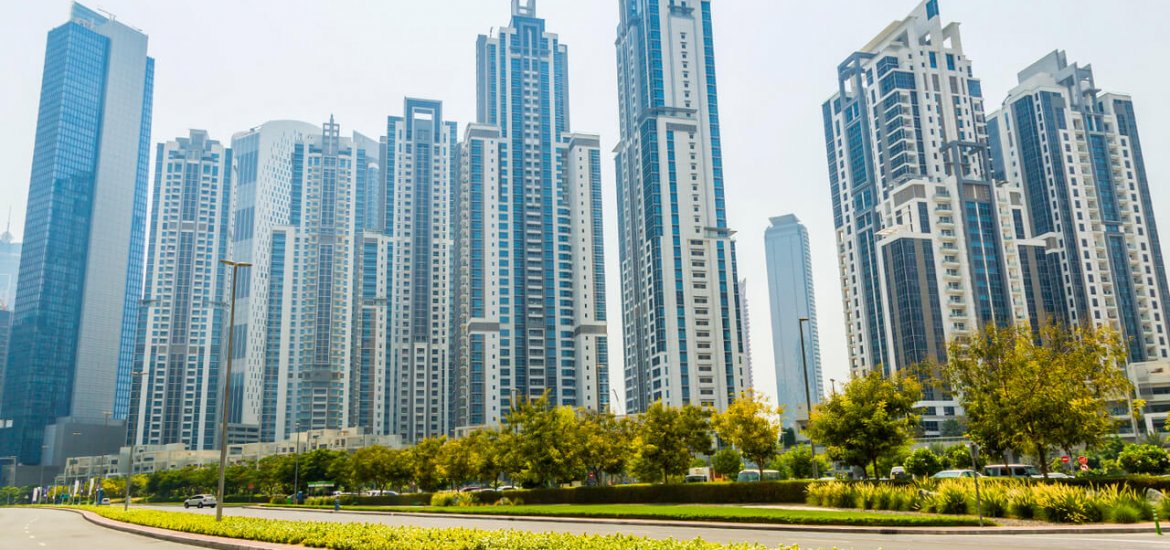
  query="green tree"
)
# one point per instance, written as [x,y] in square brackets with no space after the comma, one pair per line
[695,424]
[752,424]
[727,462]
[661,444]
[548,443]
[1144,459]
[489,449]
[456,462]
[922,462]
[424,463]
[873,416]
[957,456]
[605,443]
[798,462]
[1037,391]
[372,466]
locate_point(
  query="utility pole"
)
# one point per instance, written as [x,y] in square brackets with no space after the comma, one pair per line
[227,386]
[807,399]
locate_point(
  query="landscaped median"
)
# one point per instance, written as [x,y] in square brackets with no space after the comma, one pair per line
[689,512]
[372,536]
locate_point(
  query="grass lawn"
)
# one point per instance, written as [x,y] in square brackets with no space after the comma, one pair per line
[693,512]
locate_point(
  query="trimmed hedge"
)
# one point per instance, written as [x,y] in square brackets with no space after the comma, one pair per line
[372,536]
[675,493]
[1135,482]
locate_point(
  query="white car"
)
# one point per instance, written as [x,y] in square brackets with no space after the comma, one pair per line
[200,501]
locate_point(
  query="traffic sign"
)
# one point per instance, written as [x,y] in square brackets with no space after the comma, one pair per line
[1084,467]
[1064,459]
[1084,460]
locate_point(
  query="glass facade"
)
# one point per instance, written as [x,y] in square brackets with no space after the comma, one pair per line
[79,180]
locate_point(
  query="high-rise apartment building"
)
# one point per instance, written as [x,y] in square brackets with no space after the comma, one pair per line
[531,270]
[746,320]
[680,309]
[1074,155]
[926,245]
[184,312]
[791,299]
[420,179]
[81,271]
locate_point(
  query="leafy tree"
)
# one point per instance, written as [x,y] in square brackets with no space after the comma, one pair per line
[374,466]
[456,462]
[957,456]
[727,462]
[788,437]
[661,445]
[695,425]
[873,416]
[922,462]
[798,462]
[1144,459]
[424,463]
[489,450]
[548,442]
[951,428]
[275,474]
[1038,390]
[752,424]
[605,443]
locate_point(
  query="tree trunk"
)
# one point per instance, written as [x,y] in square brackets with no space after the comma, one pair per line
[875,468]
[1041,456]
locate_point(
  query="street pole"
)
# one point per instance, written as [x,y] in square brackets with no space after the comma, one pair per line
[808,399]
[130,467]
[297,464]
[227,387]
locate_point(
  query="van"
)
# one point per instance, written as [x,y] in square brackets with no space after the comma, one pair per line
[1010,470]
[754,475]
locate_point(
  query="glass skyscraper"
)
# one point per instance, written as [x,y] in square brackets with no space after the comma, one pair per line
[790,298]
[684,339]
[532,311]
[81,271]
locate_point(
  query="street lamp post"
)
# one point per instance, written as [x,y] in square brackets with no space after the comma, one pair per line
[297,464]
[130,466]
[807,398]
[227,386]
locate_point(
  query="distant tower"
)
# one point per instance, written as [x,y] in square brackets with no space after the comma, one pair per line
[790,297]
[9,267]
[749,376]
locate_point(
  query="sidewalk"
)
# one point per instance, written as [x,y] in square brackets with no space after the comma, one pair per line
[1056,529]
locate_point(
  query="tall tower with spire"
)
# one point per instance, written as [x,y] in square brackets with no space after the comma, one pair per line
[532,313]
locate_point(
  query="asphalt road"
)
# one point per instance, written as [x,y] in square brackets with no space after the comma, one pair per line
[806,539]
[38,529]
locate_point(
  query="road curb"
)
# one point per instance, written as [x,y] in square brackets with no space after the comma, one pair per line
[181,537]
[1073,530]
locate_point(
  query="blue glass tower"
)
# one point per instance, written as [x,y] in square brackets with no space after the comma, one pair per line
[81,272]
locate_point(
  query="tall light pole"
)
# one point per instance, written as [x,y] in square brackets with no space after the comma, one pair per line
[129,479]
[227,386]
[297,463]
[807,398]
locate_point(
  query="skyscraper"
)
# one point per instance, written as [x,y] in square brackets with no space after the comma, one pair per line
[790,297]
[746,320]
[420,171]
[1074,155]
[81,271]
[680,308]
[926,241]
[184,309]
[532,311]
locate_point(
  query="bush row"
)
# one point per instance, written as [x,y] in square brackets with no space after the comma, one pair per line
[1055,502]
[354,536]
[689,493]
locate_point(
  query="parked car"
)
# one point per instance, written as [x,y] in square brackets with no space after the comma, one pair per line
[1053,475]
[200,501]
[105,501]
[951,474]
[754,475]
[695,479]
[1010,470]
[899,472]
[506,488]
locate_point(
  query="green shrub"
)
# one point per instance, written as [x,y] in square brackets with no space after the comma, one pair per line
[1064,504]
[922,462]
[453,498]
[949,498]
[1125,514]
[372,536]
[1144,459]
[1021,502]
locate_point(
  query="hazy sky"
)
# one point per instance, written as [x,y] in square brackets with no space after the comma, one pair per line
[225,66]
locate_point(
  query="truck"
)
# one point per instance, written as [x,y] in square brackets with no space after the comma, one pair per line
[698,475]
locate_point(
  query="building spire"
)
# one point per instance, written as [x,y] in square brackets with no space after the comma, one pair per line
[526,8]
